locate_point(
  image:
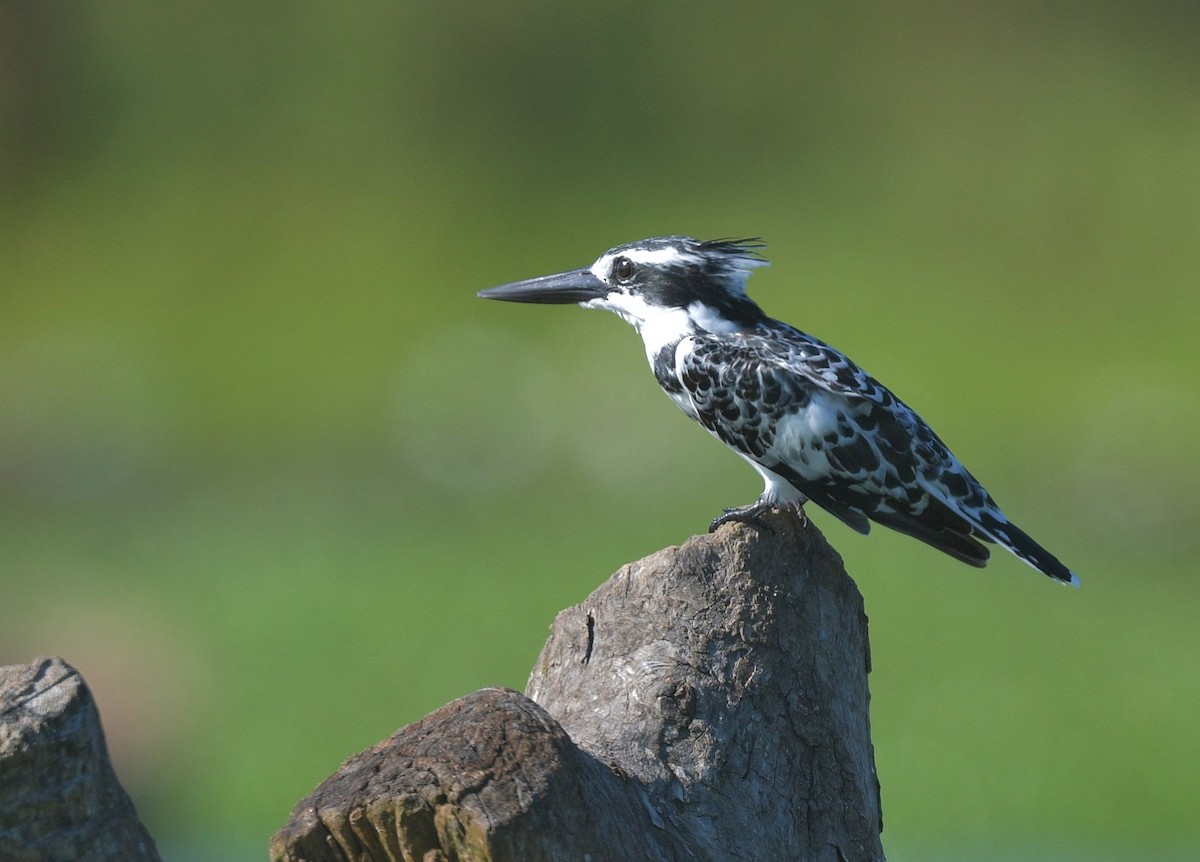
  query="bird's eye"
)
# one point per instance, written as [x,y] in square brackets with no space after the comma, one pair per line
[622,269]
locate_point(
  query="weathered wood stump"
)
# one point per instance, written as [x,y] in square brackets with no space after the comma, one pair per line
[59,797]
[708,702]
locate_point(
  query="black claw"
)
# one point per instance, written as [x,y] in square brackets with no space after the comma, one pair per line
[745,515]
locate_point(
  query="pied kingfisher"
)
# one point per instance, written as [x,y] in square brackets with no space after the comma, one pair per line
[812,423]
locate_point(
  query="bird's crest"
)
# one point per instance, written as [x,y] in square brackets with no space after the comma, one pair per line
[745,249]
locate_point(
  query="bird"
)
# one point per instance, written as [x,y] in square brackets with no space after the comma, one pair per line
[813,424]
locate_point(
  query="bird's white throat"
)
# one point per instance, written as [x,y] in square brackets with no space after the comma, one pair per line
[660,326]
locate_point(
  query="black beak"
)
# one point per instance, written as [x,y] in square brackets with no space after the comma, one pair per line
[578,285]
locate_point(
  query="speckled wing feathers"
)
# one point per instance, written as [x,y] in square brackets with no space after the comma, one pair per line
[807,413]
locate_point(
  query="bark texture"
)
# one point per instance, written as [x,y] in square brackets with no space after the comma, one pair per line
[708,702]
[59,796]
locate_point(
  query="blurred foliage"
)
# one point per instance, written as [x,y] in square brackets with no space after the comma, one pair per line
[276,482]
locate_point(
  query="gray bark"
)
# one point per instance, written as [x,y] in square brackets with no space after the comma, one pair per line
[708,702]
[59,796]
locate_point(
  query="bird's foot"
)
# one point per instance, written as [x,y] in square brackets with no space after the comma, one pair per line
[752,515]
[797,509]
[745,515]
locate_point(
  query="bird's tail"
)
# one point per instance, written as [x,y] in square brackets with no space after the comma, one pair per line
[1019,542]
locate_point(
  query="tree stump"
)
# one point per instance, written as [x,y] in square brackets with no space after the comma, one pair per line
[708,702]
[59,797]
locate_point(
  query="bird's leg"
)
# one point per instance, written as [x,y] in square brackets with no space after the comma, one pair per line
[746,515]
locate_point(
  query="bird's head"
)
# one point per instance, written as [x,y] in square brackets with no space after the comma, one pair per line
[703,282]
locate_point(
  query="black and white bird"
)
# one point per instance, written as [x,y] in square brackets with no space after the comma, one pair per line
[812,423]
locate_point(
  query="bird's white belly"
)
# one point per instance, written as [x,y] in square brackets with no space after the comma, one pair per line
[776,489]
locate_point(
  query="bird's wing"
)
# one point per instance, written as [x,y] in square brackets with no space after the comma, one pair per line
[805,411]
[871,421]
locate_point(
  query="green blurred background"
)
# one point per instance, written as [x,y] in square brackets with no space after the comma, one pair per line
[277,483]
